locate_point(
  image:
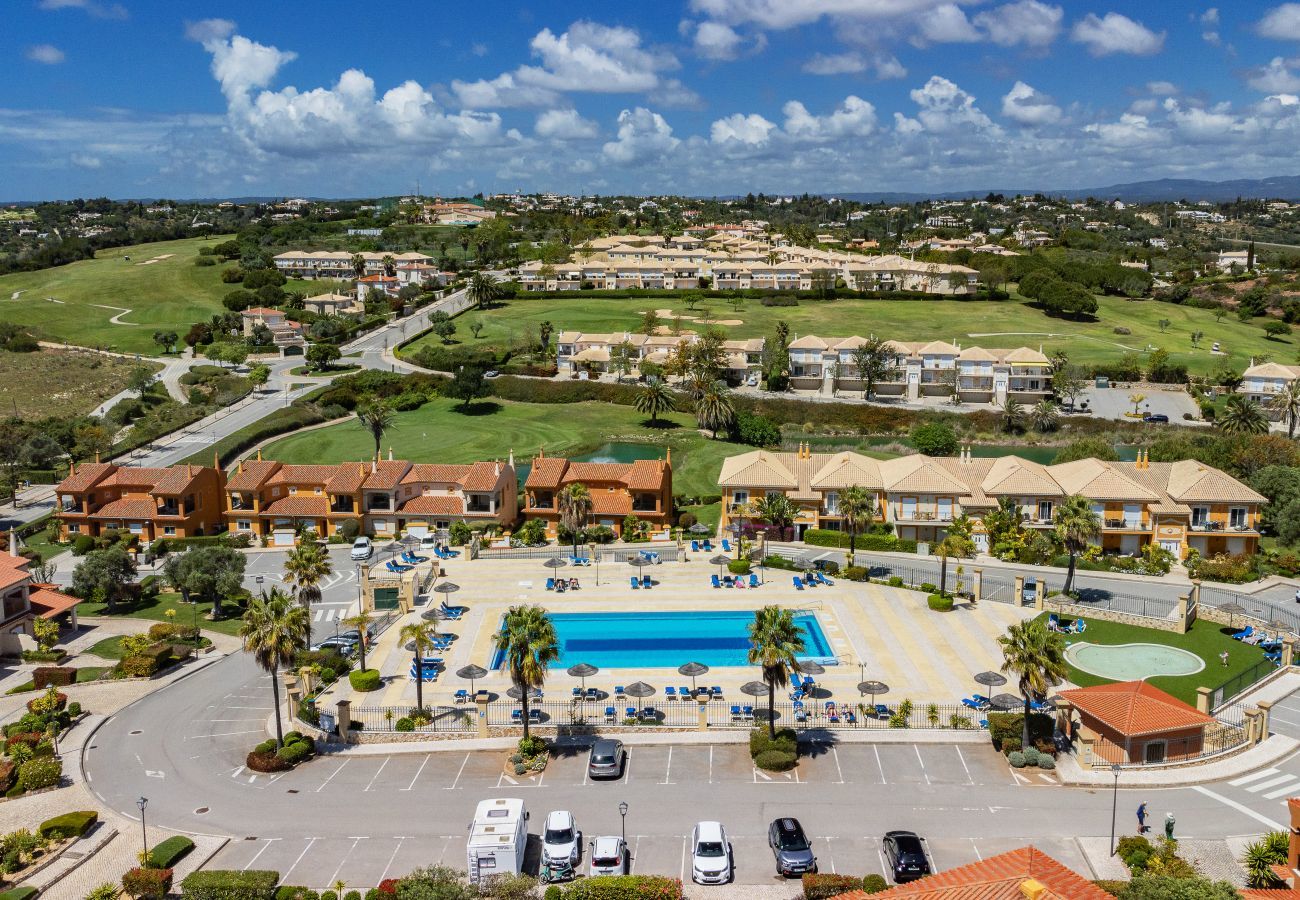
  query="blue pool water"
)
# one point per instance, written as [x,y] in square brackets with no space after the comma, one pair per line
[666,640]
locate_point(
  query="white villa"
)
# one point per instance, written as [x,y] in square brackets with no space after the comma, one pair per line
[577,351]
[338,264]
[1262,382]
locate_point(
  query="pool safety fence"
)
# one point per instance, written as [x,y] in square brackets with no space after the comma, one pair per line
[431,719]
[1257,610]
[1222,694]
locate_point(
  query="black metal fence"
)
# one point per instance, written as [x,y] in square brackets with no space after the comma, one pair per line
[1257,610]
[1242,681]
[1149,607]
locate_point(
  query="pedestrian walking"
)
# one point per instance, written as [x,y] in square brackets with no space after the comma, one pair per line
[1142,817]
[1169,826]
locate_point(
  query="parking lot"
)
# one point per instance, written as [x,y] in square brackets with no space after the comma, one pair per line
[668,788]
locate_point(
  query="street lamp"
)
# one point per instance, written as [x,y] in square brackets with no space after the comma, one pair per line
[622,811]
[1114,805]
[144,834]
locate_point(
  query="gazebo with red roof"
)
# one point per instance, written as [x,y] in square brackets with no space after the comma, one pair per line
[1136,722]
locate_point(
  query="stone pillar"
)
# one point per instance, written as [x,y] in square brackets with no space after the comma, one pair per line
[1293,849]
[1181,613]
[1203,700]
[703,709]
[1288,652]
[344,720]
[976,585]
[481,718]
[292,694]
[1018,590]
[1250,720]
[1196,592]
[1265,708]
[1065,718]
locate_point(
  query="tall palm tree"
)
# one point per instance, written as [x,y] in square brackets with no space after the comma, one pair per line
[361,621]
[274,629]
[574,504]
[857,507]
[1241,415]
[776,509]
[527,637]
[1044,416]
[389,264]
[358,265]
[1287,405]
[305,566]
[714,410]
[419,634]
[775,643]
[1076,525]
[655,399]
[1037,657]
[375,417]
[483,290]
[1013,415]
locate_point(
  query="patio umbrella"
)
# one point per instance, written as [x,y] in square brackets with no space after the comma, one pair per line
[446,588]
[720,560]
[991,679]
[555,562]
[471,672]
[810,667]
[583,671]
[754,688]
[640,690]
[692,670]
[873,688]
[1232,609]
[700,528]
[1006,702]
[1280,625]
[514,693]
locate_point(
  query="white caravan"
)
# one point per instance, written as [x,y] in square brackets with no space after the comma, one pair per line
[498,838]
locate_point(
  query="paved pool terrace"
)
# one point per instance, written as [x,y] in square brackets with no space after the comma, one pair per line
[871,631]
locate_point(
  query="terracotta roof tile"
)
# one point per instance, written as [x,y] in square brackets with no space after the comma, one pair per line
[347,477]
[437,473]
[252,474]
[547,472]
[1135,708]
[1001,877]
[299,506]
[85,477]
[303,475]
[482,476]
[128,508]
[646,475]
[428,505]
[177,479]
[13,570]
[388,474]
[587,472]
[47,602]
[611,503]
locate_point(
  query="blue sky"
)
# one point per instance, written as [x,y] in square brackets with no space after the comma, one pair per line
[156,98]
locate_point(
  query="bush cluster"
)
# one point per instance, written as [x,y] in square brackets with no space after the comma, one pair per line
[939,602]
[147,884]
[221,884]
[774,755]
[621,887]
[73,824]
[369,680]
[37,773]
[820,886]
[822,537]
[167,852]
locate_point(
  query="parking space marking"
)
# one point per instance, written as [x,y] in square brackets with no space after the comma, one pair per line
[266,842]
[310,841]
[355,841]
[455,781]
[668,772]
[962,757]
[374,777]
[838,770]
[681,873]
[976,848]
[830,853]
[922,762]
[421,769]
[335,772]
[710,764]
[636,851]
[389,864]
[880,765]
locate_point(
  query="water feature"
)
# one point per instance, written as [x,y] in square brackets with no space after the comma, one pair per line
[1130,662]
[610,452]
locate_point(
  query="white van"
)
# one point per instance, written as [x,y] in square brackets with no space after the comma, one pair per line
[498,838]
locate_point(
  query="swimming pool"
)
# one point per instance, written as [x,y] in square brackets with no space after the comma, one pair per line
[663,640]
[1130,662]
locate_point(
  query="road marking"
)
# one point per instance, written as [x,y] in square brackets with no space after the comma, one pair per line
[456,781]
[335,772]
[635,853]
[838,770]
[880,765]
[235,774]
[681,872]
[384,874]
[1273,795]
[976,848]
[668,772]
[922,762]
[710,764]
[1238,782]
[505,777]
[372,784]
[266,842]
[199,737]
[355,841]
[962,757]
[1272,782]
[310,841]
[830,851]
[1241,808]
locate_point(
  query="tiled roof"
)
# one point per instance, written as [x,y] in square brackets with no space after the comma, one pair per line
[13,570]
[388,474]
[47,602]
[1098,480]
[646,475]
[1026,872]
[920,474]
[425,505]
[251,474]
[1191,481]
[347,478]
[610,503]
[304,475]
[176,479]
[85,476]
[1013,475]
[848,470]
[482,476]
[547,472]
[299,506]
[587,472]
[758,469]
[128,508]
[1135,708]
[436,473]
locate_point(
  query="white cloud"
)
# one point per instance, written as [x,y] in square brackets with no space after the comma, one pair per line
[91,7]
[1026,22]
[835,64]
[85,161]
[502,91]
[1210,26]
[714,40]
[565,125]
[1204,125]
[45,53]
[1274,78]
[1130,131]
[1162,88]
[947,24]
[206,30]
[1210,16]
[783,14]
[750,129]
[478,48]
[1116,33]
[888,67]
[1281,22]
[854,117]
[642,134]
[238,64]
[944,107]
[1028,106]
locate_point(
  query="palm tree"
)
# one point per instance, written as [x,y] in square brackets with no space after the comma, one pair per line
[574,504]
[1043,415]
[775,643]
[1241,415]
[1287,405]
[714,410]
[305,566]
[1076,525]
[1037,657]
[377,418]
[483,290]
[527,637]
[655,399]
[419,634]
[361,622]
[358,265]
[857,507]
[956,542]
[1013,415]
[776,509]
[274,629]
[389,264]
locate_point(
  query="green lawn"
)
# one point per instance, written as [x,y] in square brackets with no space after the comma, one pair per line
[43,542]
[58,383]
[437,432]
[156,610]
[1206,639]
[108,648]
[1006,324]
[68,303]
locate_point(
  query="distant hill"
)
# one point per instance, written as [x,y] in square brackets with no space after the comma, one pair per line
[1279,187]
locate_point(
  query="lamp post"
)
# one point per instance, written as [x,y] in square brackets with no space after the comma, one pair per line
[1114,805]
[622,811]
[144,834]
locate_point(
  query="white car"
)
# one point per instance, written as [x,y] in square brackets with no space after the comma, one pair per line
[428,542]
[362,548]
[710,854]
[561,838]
[608,856]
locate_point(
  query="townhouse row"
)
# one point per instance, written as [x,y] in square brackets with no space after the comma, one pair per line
[339,264]
[1180,506]
[276,502]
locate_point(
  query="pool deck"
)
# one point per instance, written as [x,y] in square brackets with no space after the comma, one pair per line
[922,655]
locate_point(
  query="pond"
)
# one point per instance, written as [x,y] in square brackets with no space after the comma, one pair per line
[612,452]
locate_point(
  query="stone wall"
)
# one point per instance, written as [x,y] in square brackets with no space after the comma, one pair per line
[1111,615]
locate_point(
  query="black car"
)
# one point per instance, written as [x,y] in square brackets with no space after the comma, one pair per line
[1156,419]
[906,856]
[791,847]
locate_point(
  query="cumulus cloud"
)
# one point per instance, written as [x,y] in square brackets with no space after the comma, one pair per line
[854,117]
[946,24]
[835,64]
[206,30]
[565,125]
[1281,22]
[1210,26]
[45,53]
[642,135]
[1162,88]
[1027,106]
[239,64]
[91,7]
[1275,78]
[1130,131]
[1116,33]
[715,40]
[1027,22]
[943,108]
[752,129]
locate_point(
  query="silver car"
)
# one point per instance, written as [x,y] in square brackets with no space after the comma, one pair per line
[608,856]
[791,847]
[607,758]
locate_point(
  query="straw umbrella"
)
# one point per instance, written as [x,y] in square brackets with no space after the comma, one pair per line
[991,679]
[692,670]
[756,689]
[1232,609]
[1005,702]
[873,688]
[471,673]
[700,528]
[638,561]
[583,671]
[446,588]
[721,560]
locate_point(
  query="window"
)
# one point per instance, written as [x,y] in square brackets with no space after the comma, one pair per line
[243,525]
[293,491]
[1237,517]
[381,525]
[739,497]
[169,529]
[1200,515]
[74,529]
[832,502]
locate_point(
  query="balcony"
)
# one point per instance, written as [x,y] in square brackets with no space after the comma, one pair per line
[343,506]
[479,506]
[923,516]
[71,506]
[1221,527]
[169,509]
[1127,524]
[378,504]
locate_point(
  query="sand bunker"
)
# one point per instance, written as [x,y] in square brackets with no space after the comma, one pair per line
[150,262]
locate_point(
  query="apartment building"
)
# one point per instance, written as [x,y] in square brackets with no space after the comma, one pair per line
[284,331]
[23,600]
[924,369]
[643,488]
[1262,382]
[275,501]
[578,351]
[337,264]
[1181,506]
[178,501]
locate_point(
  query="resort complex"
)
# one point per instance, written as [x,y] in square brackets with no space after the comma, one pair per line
[148,503]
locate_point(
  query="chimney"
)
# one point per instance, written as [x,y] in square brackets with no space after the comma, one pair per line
[188,471]
[374,466]
[668,456]
[498,468]
[96,456]
[13,542]
[511,459]
[259,454]
[390,454]
[1032,889]
[216,461]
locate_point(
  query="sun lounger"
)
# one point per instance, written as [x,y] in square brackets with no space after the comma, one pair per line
[753,580]
[716,692]
[708,546]
[550,584]
[534,716]
[633,581]
[1080,626]
[824,580]
[851,717]
[618,691]
[516,715]
[670,693]
[462,696]
[609,714]
[684,692]
[735,713]
[695,546]
[747,713]
[645,581]
[798,583]
[715,581]
[970,704]
[577,693]
[883,711]
[1244,633]
[629,712]
[800,715]
[449,612]
[726,546]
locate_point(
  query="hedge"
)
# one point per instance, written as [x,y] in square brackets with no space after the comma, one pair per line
[165,855]
[369,680]
[624,887]
[776,761]
[59,676]
[817,886]
[226,884]
[881,543]
[148,662]
[940,602]
[22,892]
[40,772]
[73,824]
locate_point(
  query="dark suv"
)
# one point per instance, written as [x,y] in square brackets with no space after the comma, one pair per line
[791,847]
[906,856]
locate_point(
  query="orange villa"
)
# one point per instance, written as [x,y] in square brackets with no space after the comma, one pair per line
[643,488]
[178,501]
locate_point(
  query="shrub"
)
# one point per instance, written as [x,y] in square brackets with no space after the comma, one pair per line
[147,884]
[1017,759]
[818,886]
[895,581]
[1004,726]
[294,753]
[223,884]
[939,602]
[40,772]
[1030,755]
[369,680]
[928,587]
[531,745]
[56,676]
[552,892]
[82,544]
[1046,763]
[874,884]
[165,854]
[855,573]
[106,891]
[405,724]
[23,892]
[329,895]
[738,567]
[73,824]
[776,761]
[295,892]
[624,887]
[1130,844]
[352,895]
[786,741]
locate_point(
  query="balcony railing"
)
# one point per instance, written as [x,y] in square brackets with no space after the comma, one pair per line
[378,506]
[70,507]
[1129,524]
[169,509]
[923,516]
